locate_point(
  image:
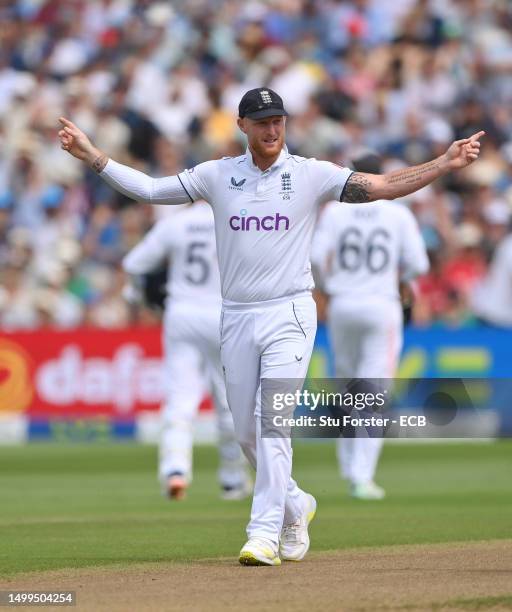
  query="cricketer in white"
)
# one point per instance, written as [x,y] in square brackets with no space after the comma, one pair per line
[265,203]
[191,340]
[264,226]
[360,254]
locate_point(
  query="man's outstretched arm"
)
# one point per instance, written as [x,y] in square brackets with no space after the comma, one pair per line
[130,182]
[363,187]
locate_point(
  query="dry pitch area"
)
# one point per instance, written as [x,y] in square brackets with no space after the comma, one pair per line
[89,518]
[469,576]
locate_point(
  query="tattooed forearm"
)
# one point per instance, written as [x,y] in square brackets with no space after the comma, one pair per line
[416,174]
[403,182]
[99,163]
[357,189]
[362,187]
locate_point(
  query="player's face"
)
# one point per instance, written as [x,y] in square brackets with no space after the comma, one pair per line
[265,136]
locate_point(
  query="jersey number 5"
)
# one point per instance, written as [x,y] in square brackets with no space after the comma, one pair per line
[198,267]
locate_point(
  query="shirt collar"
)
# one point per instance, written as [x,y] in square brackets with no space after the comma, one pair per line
[277,164]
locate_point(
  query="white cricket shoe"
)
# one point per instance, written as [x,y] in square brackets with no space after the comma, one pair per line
[243,491]
[259,551]
[295,537]
[368,491]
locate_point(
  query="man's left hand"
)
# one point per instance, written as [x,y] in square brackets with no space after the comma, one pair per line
[464,152]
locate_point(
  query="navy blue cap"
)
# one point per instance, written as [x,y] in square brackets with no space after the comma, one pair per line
[260,103]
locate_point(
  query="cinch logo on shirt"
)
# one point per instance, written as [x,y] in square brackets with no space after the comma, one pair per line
[266,224]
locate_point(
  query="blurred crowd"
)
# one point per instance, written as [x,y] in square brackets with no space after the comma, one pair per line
[156,85]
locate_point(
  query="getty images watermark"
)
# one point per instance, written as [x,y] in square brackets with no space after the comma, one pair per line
[386,408]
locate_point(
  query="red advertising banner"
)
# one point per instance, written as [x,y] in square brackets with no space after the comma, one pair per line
[81,373]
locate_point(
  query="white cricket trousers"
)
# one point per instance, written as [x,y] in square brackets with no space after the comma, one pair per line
[266,340]
[192,362]
[366,337]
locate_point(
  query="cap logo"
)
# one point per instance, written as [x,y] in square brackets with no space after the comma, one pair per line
[265,96]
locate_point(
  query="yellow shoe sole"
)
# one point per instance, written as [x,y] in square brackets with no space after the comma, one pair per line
[249,558]
[311,515]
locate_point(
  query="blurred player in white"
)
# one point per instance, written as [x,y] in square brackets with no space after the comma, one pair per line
[265,204]
[492,298]
[361,253]
[191,340]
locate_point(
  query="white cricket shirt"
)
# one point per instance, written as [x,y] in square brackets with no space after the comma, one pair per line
[264,220]
[362,250]
[186,241]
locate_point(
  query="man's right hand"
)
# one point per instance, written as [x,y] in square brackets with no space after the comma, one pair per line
[74,141]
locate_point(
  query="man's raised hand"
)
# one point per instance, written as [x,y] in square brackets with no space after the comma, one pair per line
[464,152]
[75,142]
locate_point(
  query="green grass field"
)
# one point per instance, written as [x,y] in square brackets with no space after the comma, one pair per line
[91,505]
